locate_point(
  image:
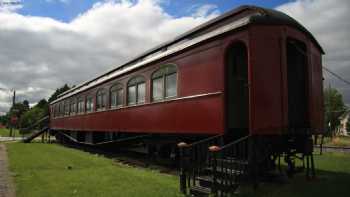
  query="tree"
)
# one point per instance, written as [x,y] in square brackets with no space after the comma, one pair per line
[58,92]
[31,117]
[27,115]
[18,109]
[334,108]
[40,110]
[26,104]
[3,119]
[34,114]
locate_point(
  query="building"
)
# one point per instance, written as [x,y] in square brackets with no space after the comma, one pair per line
[343,122]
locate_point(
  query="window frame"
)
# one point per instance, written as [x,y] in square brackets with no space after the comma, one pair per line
[82,106]
[103,94]
[56,110]
[136,81]
[66,107]
[73,102]
[162,73]
[117,88]
[88,109]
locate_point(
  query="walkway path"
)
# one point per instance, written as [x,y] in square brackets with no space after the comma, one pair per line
[5,139]
[6,186]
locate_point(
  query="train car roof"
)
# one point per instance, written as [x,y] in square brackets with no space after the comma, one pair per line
[258,16]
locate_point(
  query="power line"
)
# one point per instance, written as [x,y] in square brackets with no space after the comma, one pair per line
[336,75]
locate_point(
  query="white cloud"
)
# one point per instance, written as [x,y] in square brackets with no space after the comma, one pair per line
[329,22]
[204,10]
[39,54]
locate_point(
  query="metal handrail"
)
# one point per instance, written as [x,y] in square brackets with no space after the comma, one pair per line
[229,165]
[206,140]
[194,158]
[36,123]
[235,142]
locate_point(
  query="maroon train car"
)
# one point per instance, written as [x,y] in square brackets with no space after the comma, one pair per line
[251,71]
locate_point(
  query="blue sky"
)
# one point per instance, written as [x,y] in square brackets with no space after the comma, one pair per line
[66,10]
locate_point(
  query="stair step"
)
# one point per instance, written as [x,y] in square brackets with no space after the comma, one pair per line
[234,160]
[200,191]
[223,171]
[232,163]
[221,184]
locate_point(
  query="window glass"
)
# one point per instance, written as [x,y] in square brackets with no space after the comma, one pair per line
[136,80]
[61,111]
[116,96]
[120,97]
[72,107]
[66,108]
[136,90]
[80,105]
[132,95]
[170,84]
[89,104]
[56,110]
[164,82]
[101,100]
[113,98]
[157,88]
[141,92]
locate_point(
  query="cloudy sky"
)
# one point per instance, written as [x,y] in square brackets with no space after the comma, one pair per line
[47,43]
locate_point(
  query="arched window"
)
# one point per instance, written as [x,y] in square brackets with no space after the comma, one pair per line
[55,111]
[80,105]
[136,90]
[73,106]
[66,108]
[89,104]
[101,99]
[116,96]
[61,109]
[164,83]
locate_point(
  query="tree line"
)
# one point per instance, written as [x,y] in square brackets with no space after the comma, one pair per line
[335,110]
[26,115]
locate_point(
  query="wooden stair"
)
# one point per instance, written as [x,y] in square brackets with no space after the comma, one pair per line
[223,178]
[220,173]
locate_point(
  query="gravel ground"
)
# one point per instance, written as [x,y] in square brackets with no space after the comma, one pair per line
[6,184]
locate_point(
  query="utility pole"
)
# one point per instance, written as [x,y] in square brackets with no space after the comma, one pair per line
[13,105]
[13,110]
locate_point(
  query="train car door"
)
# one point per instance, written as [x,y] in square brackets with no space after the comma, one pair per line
[298,102]
[237,97]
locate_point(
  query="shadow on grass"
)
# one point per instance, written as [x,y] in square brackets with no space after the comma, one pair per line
[326,184]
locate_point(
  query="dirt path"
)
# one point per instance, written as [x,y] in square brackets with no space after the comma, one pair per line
[6,185]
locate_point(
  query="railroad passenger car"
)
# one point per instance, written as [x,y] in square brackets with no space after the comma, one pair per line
[251,71]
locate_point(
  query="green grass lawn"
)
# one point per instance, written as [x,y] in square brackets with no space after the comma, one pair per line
[41,170]
[332,179]
[5,132]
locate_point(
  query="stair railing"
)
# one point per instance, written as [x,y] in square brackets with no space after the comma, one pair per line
[43,123]
[230,165]
[194,158]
